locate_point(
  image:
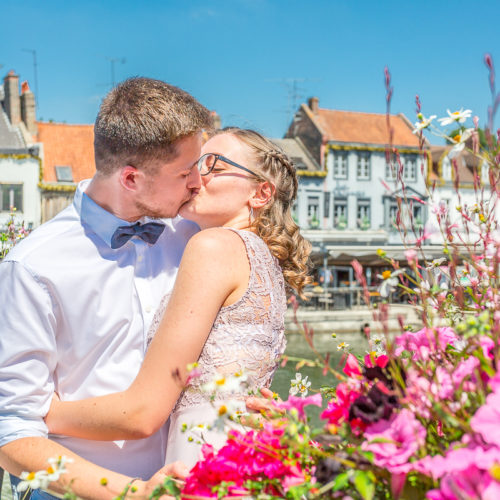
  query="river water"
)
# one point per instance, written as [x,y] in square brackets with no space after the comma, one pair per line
[297,347]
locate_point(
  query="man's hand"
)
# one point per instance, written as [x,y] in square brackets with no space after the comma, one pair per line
[176,469]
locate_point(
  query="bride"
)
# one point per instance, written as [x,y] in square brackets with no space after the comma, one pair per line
[226,311]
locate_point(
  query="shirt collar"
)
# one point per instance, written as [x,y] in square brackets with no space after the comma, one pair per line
[102,222]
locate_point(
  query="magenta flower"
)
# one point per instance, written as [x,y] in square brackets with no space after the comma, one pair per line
[337,411]
[351,368]
[487,418]
[425,342]
[471,484]
[300,403]
[393,442]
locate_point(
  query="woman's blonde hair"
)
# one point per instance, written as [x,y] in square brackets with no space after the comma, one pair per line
[274,223]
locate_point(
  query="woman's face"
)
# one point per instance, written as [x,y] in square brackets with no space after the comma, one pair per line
[223,199]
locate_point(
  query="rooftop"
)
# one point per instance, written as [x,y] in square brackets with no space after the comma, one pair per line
[296,151]
[67,145]
[365,128]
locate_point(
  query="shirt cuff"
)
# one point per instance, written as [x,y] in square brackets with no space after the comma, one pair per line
[13,428]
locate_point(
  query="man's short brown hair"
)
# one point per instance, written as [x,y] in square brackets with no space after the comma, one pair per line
[140,122]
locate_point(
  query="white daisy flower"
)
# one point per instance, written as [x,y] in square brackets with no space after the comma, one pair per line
[299,385]
[423,122]
[456,116]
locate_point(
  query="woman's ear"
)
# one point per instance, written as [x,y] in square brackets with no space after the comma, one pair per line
[262,195]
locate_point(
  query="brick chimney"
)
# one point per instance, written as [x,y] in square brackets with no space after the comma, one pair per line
[313,104]
[28,109]
[12,102]
[216,121]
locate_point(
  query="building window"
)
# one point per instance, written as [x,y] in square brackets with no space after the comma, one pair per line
[418,221]
[64,174]
[363,169]
[363,214]
[340,213]
[340,165]
[298,163]
[391,171]
[11,196]
[393,215]
[410,169]
[326,210]
[313,211]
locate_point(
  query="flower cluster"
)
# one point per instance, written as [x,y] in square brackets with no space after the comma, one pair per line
[43,478]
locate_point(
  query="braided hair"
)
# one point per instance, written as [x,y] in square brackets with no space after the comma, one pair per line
[274,222]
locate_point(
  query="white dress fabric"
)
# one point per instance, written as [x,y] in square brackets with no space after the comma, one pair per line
[247,336]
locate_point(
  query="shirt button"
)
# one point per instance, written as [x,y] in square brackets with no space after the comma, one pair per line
[139,259]
[148,309]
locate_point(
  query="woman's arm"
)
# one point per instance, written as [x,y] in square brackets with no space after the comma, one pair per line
[214,270]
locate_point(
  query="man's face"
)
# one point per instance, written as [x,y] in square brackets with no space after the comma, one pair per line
[175,182]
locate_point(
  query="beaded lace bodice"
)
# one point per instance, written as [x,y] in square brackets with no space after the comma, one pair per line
[246,336]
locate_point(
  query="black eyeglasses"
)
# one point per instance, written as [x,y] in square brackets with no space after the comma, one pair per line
[207,162]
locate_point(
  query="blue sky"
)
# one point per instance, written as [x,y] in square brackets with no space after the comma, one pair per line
[241,57]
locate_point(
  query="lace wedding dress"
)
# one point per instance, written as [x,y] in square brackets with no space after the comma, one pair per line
[246,336]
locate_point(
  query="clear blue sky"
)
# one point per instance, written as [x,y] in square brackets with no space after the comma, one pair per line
[239,57]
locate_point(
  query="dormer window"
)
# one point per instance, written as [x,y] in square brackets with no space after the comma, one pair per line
[64,173]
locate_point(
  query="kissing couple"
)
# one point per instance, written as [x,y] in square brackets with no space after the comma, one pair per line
[177,251]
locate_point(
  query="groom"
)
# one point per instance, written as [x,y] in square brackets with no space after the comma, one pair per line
[78,295]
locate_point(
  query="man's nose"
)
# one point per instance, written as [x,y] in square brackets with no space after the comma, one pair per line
[194,179]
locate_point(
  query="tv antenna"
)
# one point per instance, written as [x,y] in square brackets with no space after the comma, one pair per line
[35,71]
[295,93]
[112,62]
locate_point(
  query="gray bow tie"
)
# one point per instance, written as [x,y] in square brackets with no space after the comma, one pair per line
[149,232]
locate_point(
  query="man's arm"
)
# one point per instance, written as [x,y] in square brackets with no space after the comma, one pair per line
[85,479]
[28,356]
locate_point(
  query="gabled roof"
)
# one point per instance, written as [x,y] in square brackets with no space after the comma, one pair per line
[11,139]
[465,162]
[67,145]
[365,128]
[296,151]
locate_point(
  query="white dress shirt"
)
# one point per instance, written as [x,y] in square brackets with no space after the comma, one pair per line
[74,316]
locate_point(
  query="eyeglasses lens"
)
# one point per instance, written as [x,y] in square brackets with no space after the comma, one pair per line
[206,163]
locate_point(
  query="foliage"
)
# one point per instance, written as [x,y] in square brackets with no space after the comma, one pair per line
[11,234]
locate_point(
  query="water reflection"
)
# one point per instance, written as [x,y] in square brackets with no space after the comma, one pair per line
[324,343]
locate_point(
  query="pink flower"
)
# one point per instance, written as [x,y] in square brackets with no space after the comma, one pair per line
[487,418]
[457,460]
[255,456]
[425,342]
[337,411]
[299,403]
[393,442]
[351,368]
[472,484]
[371,360]
[411,257]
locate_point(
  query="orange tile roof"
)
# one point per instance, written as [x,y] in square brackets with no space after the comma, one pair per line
[67,145]
[365,128]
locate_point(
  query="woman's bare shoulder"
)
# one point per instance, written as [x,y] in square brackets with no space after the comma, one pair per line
[216,239]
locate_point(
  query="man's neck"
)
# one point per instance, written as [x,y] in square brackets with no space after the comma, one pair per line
[108,194]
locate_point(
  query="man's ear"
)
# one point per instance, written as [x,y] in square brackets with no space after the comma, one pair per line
[263,194]
[130,177]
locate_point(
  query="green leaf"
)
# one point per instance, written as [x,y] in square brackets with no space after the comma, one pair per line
[341,481]
[364,484]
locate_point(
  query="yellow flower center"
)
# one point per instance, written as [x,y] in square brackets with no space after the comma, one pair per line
[457,138]
[221,381]
[222,410]
[386,274]
[50,470]
[456,113]
[30,476]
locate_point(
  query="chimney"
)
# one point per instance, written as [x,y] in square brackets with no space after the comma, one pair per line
[313,104]
[12,102]
[216,121]
[28,109]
